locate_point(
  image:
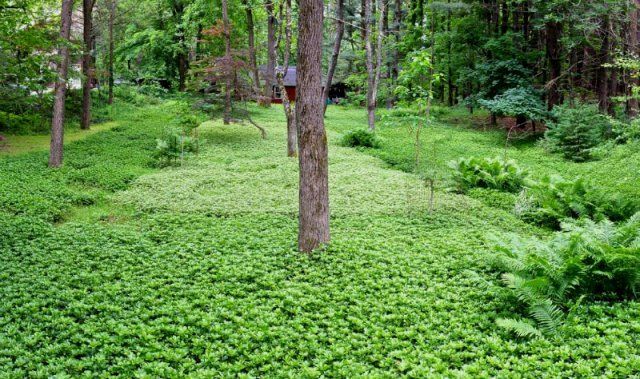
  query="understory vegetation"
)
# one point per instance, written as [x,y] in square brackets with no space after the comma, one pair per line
[194,267]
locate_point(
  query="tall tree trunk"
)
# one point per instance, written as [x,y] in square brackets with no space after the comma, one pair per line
[253,62]
[270,72]
[336,50]
[292,132]
[632,103]
[602,81]
[553,33]
[449,54]
[373,68]
[87,63]
[57,122]
[112,15]
[504,26]
[312,142]
[228,59]
[397,21]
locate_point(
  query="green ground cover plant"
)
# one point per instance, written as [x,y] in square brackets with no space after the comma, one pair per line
[193,270]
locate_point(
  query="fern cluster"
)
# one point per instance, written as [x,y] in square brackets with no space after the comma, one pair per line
[492,173]
[586,259]
[553,199]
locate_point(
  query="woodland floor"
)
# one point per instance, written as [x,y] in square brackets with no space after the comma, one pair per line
[112,267]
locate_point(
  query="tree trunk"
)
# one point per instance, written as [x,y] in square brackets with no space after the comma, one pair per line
[397,21]
[632,103]
[87,67]
[373,68]
[602,81]
[553,32]
[292,132]
[57,123]
[253,62]
[228,60]
[270,72]
[112,15]
[312,142]
[336,50]
[504,27]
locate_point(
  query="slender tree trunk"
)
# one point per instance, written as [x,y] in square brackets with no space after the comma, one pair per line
[602,88]
[87,63]
[449,54]
[112,15]
[553,33]
[373,68]
[57,123]
[228,60]
[292,132]
[336,50]
[312,141]
[632,103]
[504,26]
[270,72]
[252,46]
[397,21]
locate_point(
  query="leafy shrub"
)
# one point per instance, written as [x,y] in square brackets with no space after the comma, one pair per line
[627,132]
[524,103]
[26,123]
[576,131]
[174,145]
[491,173]
[554,199]
[585,259]
[360,138]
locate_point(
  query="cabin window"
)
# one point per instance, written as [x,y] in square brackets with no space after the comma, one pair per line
[277,94]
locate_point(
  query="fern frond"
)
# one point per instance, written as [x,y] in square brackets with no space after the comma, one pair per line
[520,328]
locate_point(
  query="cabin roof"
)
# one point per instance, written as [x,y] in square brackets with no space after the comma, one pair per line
[290,76]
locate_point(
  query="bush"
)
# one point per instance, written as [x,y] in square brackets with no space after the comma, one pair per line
[361,138]
[174,145]
[554,199]
[487,173]
[575,132]
[524,103]
[594,260]
[627,132]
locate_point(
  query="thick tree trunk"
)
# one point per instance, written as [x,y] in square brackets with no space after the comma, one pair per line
[183,67]
[312,142]
[336,50]
[57,123]
[253,62]
[87,63]
[632,103]
[228,59]
[112,15]
[553,33]
[270,71]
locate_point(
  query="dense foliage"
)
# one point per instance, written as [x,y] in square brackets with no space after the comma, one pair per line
[576,131]
[360,138]
[493,173]
[588,259]
[554,199]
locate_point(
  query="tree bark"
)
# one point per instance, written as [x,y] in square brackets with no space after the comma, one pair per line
[373,68]
[228,60]
[270,72]
[336,50]
[632,103]
[602,81]
[553,33]
[87,63]
[57,122]
[253,62]
[292,132]
[112,15]
[312,142]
